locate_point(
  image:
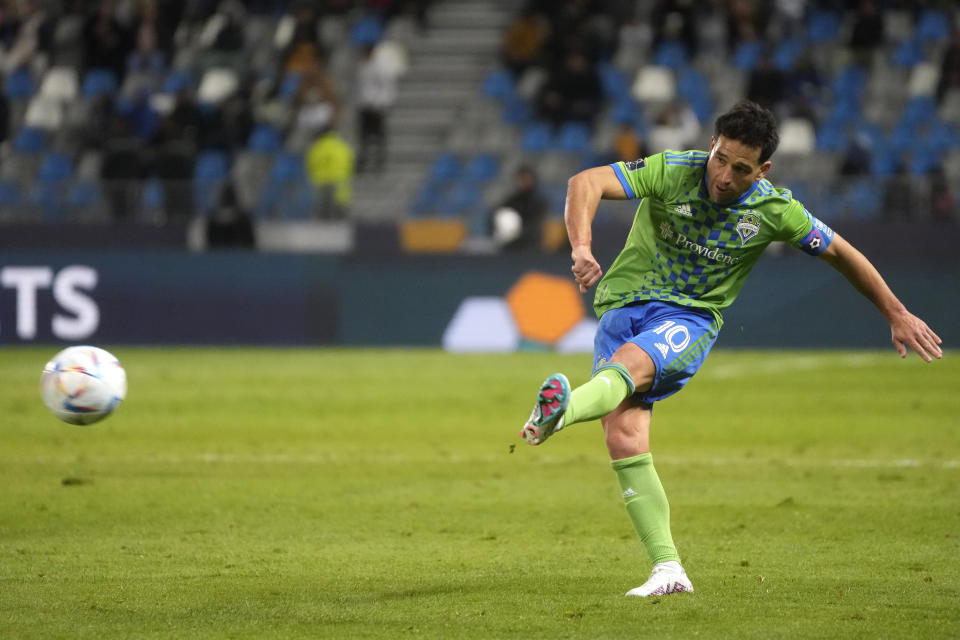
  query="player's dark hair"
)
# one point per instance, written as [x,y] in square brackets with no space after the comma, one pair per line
[750,124]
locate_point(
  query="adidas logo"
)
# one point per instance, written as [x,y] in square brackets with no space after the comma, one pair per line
[628,493]
[662,348]
[684,210]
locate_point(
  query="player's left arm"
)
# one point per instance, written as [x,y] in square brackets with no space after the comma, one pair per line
[906,329]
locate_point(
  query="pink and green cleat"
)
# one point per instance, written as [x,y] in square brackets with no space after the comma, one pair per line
[547,415]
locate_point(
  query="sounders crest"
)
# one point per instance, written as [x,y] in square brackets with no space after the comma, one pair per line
[748,227]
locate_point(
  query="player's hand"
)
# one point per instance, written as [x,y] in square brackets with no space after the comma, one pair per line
[586,269]
[907,330]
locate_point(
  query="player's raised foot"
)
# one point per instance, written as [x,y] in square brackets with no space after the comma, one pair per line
[666,578]
[547,415]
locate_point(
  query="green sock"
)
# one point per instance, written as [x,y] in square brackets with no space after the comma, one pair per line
[647,506]
[599,396]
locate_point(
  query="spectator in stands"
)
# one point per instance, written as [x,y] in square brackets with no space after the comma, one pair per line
[526,205]
[229,225]
[942,207]
[32,36]
[767,85]
[302,49]
[377,91]
[676,127]
[106,42]
[232,120]
[745,23]
[316,105]
[807,89]
[628,144]
[950,67]
[330,168]
[122,167]
[523,41]
[867,34]
[676,20]
[572,92]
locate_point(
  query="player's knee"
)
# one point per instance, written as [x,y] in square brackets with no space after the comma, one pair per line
[624,439]
[638,362]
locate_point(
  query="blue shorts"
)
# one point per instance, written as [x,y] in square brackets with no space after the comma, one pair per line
[676,338]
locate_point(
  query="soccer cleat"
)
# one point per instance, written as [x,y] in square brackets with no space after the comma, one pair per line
[666,578]
[547,415]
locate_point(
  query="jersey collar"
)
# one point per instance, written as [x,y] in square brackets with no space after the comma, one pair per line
[705,188]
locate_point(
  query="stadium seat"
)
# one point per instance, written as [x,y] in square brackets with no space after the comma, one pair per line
[786,53]
[445,167]
[536,138]
[290,84]
[573,137]
[498,84]
[367,31]
[671,54]
[176,80]
[747,54]
[797,136]
[654,84]
[822,26]
[211,170]
[216,85]
[44,113]
[464,198]
[616,85]
[9,196]
[516,111]
[482,168]
[60,83]
[19,85]
[30,140]
[933,25]
[98,81]
[264,139]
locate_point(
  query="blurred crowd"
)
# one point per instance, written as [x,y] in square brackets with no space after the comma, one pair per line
[163,104]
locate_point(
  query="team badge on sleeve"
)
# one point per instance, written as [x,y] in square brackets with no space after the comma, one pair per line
[819,238]
[633,165]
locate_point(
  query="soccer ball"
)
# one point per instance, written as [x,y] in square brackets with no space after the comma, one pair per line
[82,385]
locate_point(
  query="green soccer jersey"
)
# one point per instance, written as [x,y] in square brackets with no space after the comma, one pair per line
[684,249]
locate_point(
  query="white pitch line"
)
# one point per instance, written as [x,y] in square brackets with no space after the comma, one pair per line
[213,458]
[773,364]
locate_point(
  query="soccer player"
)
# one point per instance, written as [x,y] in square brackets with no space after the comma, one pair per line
[703,220]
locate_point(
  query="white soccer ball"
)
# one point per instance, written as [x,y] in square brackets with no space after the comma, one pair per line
[83,384]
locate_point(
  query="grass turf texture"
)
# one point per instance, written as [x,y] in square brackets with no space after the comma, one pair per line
[377,494]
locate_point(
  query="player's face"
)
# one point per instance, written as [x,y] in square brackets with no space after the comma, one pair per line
[732,168]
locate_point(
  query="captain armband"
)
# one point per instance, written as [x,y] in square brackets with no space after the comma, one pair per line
[819,238]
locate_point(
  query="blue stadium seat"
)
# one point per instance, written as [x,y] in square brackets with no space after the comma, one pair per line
[20,85]
[786,53]
[832,136]
[445,167]
[536,138]
[97,81]
[573,137]
[746,56]
[932,25]
[464,198]
[290,84]
[55,167]
[863,199]
[10,196]
[482,168]
[428,199]
[498,84]
[822,26]
[265,139]
[908,53]
[672,54]
[367,31]
[919,110]
[176,80]
[286,193]
[83,193]
[30,140]
[693,87]
[516,111]
[616,85]
[209,173]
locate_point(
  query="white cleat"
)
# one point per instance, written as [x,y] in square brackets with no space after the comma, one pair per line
[666,578]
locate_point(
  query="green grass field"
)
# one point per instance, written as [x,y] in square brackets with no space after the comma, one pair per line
[272,493]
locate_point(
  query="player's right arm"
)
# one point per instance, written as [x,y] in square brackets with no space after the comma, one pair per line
[584,192]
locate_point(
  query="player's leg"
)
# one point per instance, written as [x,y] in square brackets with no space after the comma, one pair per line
[627,432]
[621,370]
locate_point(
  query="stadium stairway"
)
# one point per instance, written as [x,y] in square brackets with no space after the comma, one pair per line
[447,65]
